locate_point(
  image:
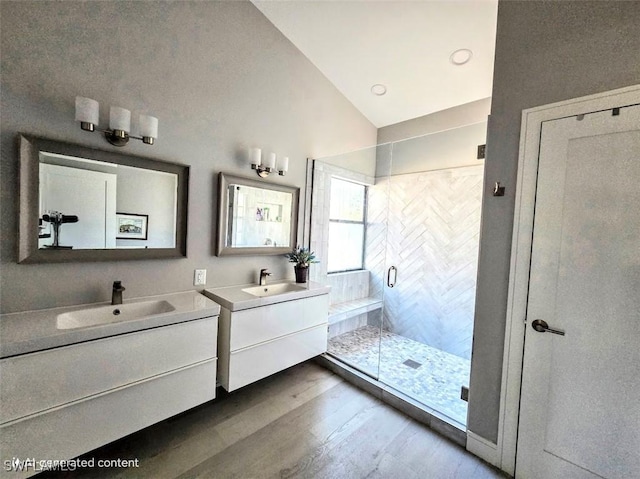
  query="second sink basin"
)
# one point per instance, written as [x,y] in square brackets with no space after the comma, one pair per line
[112,314]
[247,296]
[273,289]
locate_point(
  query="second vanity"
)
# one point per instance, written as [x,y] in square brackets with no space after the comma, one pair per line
[265,329]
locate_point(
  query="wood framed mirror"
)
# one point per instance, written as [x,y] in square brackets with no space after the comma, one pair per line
[83,204]
[255,218]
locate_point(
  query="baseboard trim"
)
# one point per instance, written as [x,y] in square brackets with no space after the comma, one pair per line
[486,450]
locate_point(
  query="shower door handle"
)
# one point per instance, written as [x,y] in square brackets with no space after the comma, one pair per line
[393,270]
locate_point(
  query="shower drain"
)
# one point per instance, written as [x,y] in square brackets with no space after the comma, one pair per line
[412,364]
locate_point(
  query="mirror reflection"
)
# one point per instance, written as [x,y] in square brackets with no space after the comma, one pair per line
[259,217]
[256,218]
[86,204]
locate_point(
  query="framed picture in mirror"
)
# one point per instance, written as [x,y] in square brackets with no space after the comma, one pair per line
[132,226]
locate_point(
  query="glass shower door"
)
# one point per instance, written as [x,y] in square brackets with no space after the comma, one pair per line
[433,225]
[348,232]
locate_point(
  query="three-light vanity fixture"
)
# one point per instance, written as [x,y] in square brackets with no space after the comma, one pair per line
[266,166]
[88,113]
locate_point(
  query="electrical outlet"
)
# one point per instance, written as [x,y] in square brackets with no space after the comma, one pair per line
[200,277]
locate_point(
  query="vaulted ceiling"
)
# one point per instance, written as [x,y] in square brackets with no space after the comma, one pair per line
[406,46]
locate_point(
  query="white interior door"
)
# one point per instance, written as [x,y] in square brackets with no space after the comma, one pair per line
[580,406]
[89,195]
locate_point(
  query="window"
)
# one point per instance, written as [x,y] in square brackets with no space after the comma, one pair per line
[346,226]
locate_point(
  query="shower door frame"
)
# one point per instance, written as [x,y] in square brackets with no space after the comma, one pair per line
[311,172]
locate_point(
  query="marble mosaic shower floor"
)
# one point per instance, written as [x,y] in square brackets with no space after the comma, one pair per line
[429,375]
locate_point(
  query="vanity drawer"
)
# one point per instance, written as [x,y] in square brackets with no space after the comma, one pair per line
[68,431]
[38,381]
[257,325]
[257,362]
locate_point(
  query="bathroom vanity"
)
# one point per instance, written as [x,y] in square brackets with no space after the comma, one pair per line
[265,329]
[74,379]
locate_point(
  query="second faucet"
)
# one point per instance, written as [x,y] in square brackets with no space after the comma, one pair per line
[263,277]
[116,293]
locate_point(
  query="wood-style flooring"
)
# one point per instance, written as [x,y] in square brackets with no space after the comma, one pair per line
[304,422]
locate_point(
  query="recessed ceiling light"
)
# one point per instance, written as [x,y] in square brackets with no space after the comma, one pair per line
[461,56]
[378,89]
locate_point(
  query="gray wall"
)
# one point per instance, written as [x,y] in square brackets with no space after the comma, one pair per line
[150,193]
[545,52]
[220,78]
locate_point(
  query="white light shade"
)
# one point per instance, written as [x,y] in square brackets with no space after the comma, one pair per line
[255,156]
[87,110]
[148,126]
[119,119]
[284,164]
[271,161]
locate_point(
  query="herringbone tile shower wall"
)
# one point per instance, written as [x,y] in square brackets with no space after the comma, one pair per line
[431,236]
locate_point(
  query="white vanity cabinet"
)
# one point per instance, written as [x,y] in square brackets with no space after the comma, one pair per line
[257,342]
[59,403]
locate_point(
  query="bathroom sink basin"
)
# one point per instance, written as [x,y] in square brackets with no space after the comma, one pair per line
[246,296]
[112,314]
[273,289]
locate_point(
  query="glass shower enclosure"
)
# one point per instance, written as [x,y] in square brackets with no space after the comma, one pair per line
[396,227]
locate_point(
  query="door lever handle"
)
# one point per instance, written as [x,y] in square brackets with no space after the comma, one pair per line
[541,326]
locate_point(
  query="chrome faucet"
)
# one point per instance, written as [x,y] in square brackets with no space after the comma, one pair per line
[116,294]
[263,277]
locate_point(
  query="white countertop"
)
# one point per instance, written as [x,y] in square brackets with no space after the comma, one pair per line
[234,298]
[31,331]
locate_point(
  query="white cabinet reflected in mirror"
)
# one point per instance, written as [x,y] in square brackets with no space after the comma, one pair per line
[81,204]
[255,217]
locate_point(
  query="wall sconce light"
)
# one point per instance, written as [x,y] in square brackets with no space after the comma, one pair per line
[263,168]
[88,113]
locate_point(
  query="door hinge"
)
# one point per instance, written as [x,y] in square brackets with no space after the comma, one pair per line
[464,393]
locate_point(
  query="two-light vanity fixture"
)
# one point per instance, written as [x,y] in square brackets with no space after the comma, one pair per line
[88,113]
[263,168]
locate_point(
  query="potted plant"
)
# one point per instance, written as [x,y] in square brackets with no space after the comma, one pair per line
[302,258]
